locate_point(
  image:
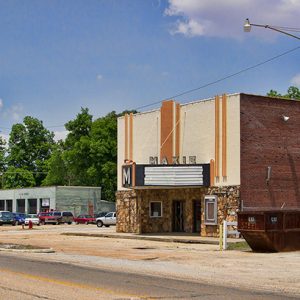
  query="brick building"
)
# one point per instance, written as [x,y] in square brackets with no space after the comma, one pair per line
[187,167]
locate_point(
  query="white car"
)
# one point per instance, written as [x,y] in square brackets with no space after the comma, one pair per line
[107,220]
[33,218]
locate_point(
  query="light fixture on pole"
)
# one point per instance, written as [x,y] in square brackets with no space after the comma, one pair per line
[248,25]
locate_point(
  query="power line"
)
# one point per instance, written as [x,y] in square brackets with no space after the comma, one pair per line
[222,79]
[294,29]
[206,84]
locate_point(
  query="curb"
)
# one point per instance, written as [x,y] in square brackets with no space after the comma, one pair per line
[50,250]
[155,239]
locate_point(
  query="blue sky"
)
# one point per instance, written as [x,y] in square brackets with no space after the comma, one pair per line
[59,56]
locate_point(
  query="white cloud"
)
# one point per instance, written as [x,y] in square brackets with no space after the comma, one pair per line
[190,28]
[217,18]
[14,112]
[99,77]
[1,103]
[296,80]
[60,135]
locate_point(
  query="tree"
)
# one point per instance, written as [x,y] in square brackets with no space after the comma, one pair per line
[292,93]
[104,135]
[89,154]
[79,127]
[57,170]
[77,148]
[2,157]
[104,154]
[273,93]
[17,178]
[30,146]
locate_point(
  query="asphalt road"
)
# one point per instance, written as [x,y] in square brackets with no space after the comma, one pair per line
[23,278]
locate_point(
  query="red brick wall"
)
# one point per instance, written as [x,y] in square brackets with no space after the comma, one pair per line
[266,140]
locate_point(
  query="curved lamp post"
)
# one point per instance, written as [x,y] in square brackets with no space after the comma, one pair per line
[248,25]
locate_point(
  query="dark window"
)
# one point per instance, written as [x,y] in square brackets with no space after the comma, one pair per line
[67,214]
[155,209]
[9,205]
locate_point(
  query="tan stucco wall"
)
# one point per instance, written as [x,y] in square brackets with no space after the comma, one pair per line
[233,141]
[146,139]
[197,136]
[121,151]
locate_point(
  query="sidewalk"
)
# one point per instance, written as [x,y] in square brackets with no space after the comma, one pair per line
[158,237]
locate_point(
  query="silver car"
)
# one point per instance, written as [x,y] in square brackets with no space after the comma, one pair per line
[107,220]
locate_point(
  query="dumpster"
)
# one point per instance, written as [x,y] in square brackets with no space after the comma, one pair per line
[270,231]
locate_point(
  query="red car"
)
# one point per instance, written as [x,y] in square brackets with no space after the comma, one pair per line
[47,218]
[85,219]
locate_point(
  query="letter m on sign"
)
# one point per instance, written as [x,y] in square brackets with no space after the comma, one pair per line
[127,176]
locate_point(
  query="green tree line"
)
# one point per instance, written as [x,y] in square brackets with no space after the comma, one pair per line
[292,93]
[87,157]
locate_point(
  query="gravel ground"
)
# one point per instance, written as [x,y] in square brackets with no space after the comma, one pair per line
[276,272]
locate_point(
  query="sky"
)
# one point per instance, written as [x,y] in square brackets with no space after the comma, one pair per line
[57,56]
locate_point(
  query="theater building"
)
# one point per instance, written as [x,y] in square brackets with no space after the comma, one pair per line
[188,167]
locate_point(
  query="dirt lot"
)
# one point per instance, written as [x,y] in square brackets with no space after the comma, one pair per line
[277,272]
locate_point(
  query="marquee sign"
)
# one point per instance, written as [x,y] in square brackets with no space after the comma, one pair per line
[166,175]
[127,176]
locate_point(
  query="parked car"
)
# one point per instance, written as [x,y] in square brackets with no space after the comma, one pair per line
[107,220]
[47,218]
[20,218]
[63,217]
[33,218]
[7,217]
[84,219]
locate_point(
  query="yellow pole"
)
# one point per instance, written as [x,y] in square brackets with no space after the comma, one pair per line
[221,236]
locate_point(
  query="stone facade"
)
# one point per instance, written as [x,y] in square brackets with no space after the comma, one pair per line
[228,206]
[133,207]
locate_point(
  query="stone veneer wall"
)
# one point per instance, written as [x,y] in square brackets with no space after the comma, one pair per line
[228,205]
[133,208]
[127,215]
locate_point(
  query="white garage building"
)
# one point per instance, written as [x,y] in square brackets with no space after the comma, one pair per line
[77,199]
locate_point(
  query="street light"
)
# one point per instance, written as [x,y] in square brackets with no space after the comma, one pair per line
[247,28]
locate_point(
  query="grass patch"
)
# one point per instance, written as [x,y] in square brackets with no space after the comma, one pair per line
[19,246]
[242,246]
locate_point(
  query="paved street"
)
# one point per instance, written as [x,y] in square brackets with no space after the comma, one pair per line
[35,279]
[114,268]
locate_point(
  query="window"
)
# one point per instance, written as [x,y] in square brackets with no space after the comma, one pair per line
[155,209]
[211,210]
[67,214]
